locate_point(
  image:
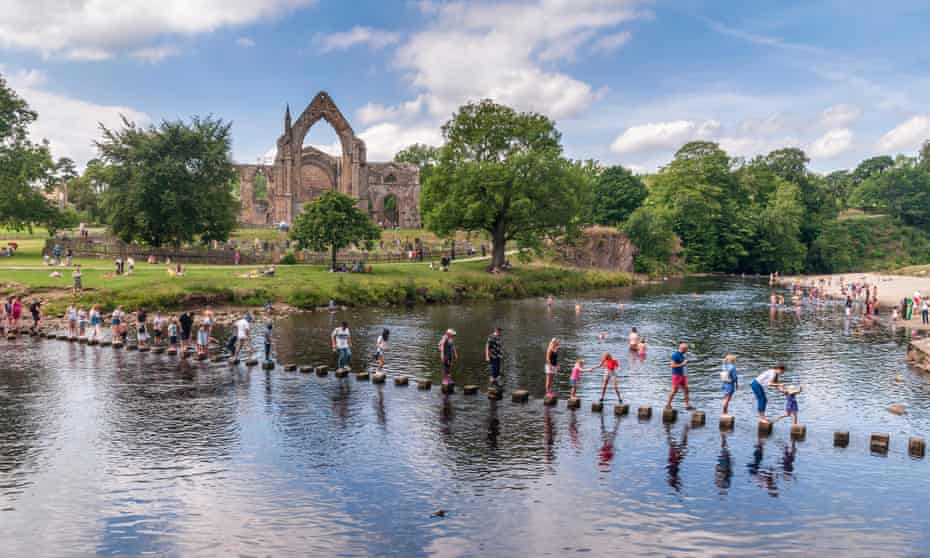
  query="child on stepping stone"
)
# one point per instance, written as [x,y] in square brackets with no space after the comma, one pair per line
[791,403]
[575,378]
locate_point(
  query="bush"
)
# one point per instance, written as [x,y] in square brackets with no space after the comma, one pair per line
[288,259]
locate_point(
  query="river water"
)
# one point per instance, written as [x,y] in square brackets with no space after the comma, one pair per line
[119,453]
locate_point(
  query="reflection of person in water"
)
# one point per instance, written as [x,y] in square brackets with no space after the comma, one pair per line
[573,436]
[379,406]
[548,436]
[724,466]
[787,460]
[764,477]
[676,455]
[494,425]
[445,415]
[606,453]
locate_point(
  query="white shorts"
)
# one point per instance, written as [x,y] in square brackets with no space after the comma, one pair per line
[552,369]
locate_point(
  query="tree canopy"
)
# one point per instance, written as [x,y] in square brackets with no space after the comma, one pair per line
[25,167]
[333,222]
[616,193]
[502,171]
[169,184]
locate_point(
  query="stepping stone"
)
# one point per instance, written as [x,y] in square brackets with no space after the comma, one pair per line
[551,400]
[424,384]
[400,380]
[573,403]
[597,407]
[342,372]
[62,337]
[171,352]
[520,396]
[727,422]
[447,389]
[306,369]
[697,419]
[202,357]
[105,343]
[669,415]
[117,345]
[132,347]
[362,376]
[268,365]
[158,350]
[621,409]
[82,340]
[218,358]
[798,432]
[72,339]
[290,367]
[233,360]
[644,413]
[916,446]
[765,428]
[495,394]
[251,362]
[322,371]
[378,378]
[879,442]
[146,349]
[470,390]
[840,439]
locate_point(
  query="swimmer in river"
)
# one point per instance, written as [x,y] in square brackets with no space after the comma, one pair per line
[602,336]
[578,309]
[549,301]
[634,339]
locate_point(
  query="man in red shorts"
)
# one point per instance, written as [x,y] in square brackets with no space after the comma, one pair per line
[680,375]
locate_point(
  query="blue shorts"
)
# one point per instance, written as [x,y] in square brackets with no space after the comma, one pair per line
[572,383]
[729,388]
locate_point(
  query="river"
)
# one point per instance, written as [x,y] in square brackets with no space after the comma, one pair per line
[119,453]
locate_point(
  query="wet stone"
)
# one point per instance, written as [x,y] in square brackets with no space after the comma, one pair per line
[916,446]
[268,365]
[573,403]
[290,367]
[597,407]
[698,419]
[495,394]
[448,388]
[306,369]
[158,350]
[362,376]
[621,410]
[424,384]
[765,427]
[322,371]
[342,372]
[798,432]
[400,380]
[251,362]
[727,422]
[840,439]
[520,396]
[470,389]
[551,400]
[879,442]
[669,415]
[644,413]
[171,352]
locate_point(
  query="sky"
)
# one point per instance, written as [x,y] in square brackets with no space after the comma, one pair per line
[626,81]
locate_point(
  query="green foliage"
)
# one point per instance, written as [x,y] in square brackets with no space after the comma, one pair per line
[261,187]
[422,155]
[171,183]
[617,192]
[777,244]
[86,192]
[902,191]
[867,243]
[503,172]
[25,167]
[289,259]
[651,229]
[333,222]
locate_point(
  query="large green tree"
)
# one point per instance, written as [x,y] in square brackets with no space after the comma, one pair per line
[503,172]
[617,192]
[169,184]
[25,167]
[422,155]
[333,222]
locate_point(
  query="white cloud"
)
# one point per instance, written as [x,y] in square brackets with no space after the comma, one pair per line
[831,144]
[840,116]
[610,43]
[97,29]
[386,139]
[245,42]
[505,51]
[907,136]
[374,112]
[662,135]
[71,125]
[154,55]
[375,39]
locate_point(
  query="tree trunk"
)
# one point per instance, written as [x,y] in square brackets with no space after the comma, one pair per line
[333,268]
[498,243]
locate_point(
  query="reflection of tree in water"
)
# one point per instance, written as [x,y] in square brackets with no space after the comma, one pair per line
[162,411]
[724,469]
[28,409]
[677,450]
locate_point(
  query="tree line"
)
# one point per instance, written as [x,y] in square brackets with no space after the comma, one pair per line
[499,171]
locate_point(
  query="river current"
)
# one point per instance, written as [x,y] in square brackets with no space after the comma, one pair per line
[119,453]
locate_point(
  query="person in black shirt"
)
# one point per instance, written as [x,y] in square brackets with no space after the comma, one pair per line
[187,324]
[36,310]
[493,351]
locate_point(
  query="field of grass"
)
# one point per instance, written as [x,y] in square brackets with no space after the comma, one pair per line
[301,286]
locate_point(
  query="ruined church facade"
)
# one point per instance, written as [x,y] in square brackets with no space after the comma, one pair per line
[389,192]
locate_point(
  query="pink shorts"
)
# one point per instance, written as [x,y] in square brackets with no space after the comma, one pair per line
[679,381]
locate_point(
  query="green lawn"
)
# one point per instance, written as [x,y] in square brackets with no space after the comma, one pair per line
[303,286]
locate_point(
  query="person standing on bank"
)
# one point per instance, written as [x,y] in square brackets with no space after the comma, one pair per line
[448,355]
[680,376]
[342,344]
[768,378]
[493,352]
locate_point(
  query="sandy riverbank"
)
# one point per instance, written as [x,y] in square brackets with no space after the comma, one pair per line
[891,290]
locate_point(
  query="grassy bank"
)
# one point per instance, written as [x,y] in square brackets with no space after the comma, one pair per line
[301,286]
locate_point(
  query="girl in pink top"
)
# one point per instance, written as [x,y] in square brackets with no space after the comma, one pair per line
[575,378]
[611,366]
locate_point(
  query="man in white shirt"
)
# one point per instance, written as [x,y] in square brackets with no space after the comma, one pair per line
[243,328]
[342,344]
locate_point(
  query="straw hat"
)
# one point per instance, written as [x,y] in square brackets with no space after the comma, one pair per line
[792,390]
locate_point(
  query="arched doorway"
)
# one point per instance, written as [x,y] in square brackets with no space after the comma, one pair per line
[391,211]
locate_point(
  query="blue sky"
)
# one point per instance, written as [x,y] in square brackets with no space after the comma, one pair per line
[627,81]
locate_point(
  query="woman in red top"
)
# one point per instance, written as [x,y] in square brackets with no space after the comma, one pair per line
[611,367]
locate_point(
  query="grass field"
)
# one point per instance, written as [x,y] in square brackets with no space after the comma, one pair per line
[301,286]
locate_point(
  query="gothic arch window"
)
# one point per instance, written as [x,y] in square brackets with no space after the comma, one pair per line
[390,179]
